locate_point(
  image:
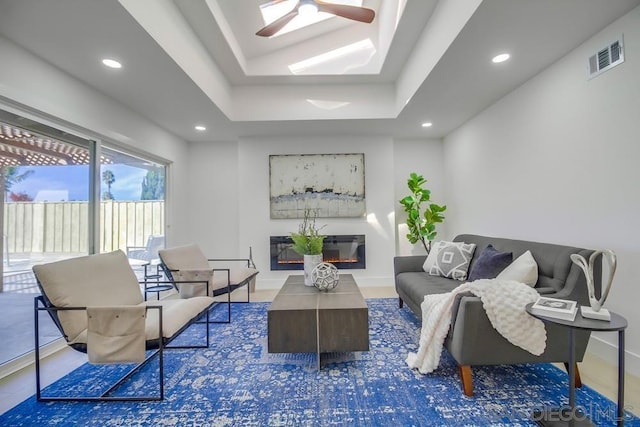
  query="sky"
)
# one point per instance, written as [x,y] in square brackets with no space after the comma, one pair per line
[74,180]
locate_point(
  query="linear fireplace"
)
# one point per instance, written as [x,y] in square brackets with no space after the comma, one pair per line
[343,251]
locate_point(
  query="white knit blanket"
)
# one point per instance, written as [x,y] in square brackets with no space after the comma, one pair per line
[504,302]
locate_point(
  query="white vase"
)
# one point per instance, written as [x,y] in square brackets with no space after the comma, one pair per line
[310,262]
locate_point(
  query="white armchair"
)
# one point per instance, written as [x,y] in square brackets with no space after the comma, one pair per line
[187,263]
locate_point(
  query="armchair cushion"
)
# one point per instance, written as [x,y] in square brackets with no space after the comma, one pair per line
[187,257]
[188,263]
[190,290]
[175,314]
[105,280]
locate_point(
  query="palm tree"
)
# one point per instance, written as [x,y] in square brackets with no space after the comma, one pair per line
[11,175]
[108,178]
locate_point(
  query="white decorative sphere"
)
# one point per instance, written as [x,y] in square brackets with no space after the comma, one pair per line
[325,276]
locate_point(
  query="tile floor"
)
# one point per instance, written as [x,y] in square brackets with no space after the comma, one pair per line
[597,373]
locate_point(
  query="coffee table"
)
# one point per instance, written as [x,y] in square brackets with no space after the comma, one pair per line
[302,319]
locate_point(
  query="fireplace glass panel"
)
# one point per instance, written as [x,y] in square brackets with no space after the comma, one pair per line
[343,251]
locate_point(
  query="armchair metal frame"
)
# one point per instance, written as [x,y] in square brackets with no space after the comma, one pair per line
[215,293]
[246,282]
[41,303]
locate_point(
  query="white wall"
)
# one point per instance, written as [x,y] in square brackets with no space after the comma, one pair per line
[34,88]
[557,161]
[213,198]
[256,226]
[229,196]
[424,157]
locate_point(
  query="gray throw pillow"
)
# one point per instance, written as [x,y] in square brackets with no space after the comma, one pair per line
[450,259]
[490,263]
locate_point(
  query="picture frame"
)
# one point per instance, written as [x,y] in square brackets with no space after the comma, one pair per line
[329,185]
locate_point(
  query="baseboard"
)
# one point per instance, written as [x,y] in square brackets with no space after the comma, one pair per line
[27,359]
[609,353]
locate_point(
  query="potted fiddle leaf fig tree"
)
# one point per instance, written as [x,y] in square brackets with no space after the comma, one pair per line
[308,242]
[422,216]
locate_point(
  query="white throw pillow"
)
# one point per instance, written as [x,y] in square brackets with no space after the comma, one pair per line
[449,259]
[524,269]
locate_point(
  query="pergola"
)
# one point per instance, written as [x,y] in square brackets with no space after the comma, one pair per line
[20,147]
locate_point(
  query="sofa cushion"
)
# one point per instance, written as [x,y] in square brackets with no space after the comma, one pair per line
[490,263]
[418,284]
[554,262]
[449,259]
[524,269]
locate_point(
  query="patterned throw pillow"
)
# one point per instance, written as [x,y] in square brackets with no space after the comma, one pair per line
[490,263]
[449,259]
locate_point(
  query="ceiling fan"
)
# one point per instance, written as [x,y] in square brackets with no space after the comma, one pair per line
[361,14]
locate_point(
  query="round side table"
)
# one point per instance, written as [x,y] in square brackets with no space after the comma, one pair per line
[569,416]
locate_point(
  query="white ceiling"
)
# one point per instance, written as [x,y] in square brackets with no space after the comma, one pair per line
[188,62]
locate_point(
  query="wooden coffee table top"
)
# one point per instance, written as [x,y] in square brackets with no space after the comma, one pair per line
[294,295]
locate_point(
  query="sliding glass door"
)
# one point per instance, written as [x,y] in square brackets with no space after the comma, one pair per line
[45,178]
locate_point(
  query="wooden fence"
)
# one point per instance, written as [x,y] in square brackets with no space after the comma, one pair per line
[59,227]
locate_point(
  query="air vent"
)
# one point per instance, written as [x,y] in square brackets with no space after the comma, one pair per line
[606,58]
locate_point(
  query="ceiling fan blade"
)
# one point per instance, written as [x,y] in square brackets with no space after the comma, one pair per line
[277,25]
[355,13]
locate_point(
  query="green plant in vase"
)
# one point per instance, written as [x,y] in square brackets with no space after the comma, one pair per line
[308,242]
[422,216]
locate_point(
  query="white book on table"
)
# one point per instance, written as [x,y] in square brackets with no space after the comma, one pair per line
[555,308]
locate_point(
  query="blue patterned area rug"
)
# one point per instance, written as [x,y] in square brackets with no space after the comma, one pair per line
[236,382]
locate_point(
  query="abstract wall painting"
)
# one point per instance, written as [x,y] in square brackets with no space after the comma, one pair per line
[330,185]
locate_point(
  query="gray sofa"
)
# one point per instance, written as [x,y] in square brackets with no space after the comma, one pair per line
[471,339]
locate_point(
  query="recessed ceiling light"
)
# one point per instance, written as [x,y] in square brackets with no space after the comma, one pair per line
[111,63]
[427,125]
[500,58]
[200,128]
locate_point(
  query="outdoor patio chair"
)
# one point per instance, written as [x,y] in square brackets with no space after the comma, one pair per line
[148,252]
[186,263]
[96,303]
[147,255]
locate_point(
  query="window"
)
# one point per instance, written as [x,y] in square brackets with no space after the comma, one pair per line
[132,193]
